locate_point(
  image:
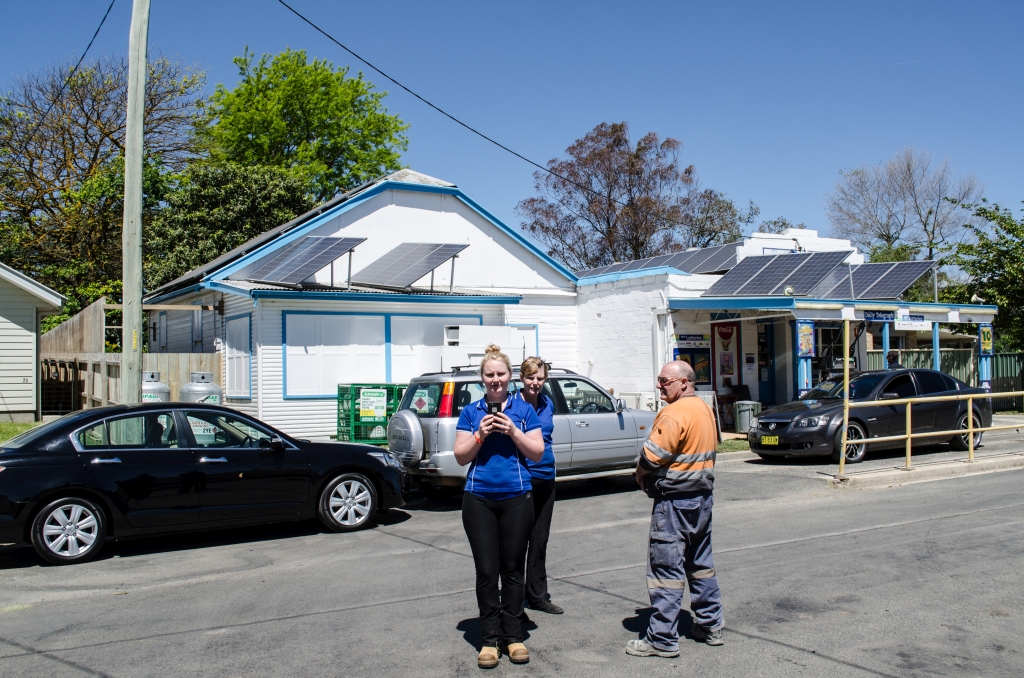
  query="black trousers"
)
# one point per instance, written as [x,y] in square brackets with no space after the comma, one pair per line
[536,557]
[498,532]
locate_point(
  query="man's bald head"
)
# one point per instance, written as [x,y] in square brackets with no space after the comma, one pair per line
[682,369]
[676,380]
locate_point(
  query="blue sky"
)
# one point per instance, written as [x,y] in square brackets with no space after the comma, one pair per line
[770,100]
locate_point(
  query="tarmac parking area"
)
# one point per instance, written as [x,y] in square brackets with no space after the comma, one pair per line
[918,580]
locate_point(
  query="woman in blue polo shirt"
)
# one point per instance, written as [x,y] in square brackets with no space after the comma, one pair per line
[534,374]
[497,506]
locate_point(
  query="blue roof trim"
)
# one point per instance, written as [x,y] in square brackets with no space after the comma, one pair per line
[626,275]
[739,303]
[383,297]
[319,220]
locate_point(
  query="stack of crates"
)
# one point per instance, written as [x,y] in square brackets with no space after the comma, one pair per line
[364,411]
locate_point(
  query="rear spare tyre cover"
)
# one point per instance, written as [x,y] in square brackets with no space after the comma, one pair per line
[405,437]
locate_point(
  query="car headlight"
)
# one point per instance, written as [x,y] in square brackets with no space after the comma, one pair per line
[753,422]
[388,458]
[811,422]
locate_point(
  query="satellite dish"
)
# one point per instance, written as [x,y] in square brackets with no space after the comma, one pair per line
[788,291]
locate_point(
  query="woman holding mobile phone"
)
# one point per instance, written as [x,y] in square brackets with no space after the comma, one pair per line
[495,435]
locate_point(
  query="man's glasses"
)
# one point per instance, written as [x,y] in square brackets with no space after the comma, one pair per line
[665,382]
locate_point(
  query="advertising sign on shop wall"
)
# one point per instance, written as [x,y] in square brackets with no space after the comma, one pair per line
[726,339]
[985,339]
[805,338]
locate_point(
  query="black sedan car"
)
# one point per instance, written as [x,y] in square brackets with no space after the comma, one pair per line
[811,426]
[123,471]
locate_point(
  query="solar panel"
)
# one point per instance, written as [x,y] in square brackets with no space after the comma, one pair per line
[303,258]
[695,263]
[836,280]
[739,276]
[591,271]
[722,259]
[680,260]
[817,266]
[406,264]
[898,280]
[770,276]
[637,265]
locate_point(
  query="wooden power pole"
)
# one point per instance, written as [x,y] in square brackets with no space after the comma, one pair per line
[131,236]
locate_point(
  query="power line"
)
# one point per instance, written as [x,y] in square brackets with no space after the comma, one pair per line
[73,70]
[459,122]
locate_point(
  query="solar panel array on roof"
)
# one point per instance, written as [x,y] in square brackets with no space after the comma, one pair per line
[302,259]
[771,274]
[708,260]
[872,281]
[406,264]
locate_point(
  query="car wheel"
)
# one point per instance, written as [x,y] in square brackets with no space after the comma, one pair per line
[961,442]
[348,503]
[854,452]
[69,530]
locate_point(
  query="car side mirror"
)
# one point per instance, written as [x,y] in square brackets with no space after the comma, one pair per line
[620,404]
[889,396]
[276,444]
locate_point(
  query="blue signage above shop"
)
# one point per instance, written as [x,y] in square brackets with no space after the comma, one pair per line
[880,316]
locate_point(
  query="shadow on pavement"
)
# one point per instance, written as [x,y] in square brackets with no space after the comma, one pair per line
[450,499]
[472,634]
[638,624]
[876,455]
[21,556]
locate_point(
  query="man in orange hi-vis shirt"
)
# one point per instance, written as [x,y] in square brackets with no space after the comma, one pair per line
[677,471]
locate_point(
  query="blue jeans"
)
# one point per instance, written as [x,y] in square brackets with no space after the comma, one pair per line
[680,554]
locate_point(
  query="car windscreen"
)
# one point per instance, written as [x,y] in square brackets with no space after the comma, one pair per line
[42,431]
[860,387]
[424,398]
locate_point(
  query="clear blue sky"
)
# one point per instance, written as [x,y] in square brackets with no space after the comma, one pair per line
[770,99]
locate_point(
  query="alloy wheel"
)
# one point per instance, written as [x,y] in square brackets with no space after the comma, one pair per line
[350,502]
[71,530]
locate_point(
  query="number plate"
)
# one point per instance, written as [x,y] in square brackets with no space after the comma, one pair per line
[769,440]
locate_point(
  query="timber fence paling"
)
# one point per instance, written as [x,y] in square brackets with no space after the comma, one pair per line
[99,374]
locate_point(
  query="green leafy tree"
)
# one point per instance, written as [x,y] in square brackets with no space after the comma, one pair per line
[326,128]
[994,267]
[212,210]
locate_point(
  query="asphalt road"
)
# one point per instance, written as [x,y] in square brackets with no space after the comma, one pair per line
[920,580]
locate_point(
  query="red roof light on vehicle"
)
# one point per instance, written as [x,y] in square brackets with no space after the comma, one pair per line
[447,400]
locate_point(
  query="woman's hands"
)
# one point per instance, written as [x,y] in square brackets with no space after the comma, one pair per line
[467,445]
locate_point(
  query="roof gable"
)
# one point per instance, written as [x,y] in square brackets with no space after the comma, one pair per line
[36,289]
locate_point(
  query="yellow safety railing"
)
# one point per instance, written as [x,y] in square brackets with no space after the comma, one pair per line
[909,434]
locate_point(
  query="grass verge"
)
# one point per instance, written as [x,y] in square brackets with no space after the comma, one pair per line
[9,430]
[733,445]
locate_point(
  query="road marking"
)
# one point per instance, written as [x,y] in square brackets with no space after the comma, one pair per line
[14,608]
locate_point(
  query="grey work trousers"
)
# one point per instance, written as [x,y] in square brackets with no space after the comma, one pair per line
[680,554]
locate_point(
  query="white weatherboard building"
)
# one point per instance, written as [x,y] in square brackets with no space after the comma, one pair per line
[23,303]
[407,274]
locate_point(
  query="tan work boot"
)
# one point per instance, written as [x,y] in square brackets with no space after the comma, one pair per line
[518,654]
[488,657]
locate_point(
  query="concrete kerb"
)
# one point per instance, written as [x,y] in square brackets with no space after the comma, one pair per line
[892,477]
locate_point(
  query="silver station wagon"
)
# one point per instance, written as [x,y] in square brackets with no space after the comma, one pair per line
[595,434]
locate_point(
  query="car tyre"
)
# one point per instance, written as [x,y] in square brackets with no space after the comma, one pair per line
[69,530]
[961,442]
[854,453]
[348,503]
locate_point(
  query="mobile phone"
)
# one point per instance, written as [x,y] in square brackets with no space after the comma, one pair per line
[493,408]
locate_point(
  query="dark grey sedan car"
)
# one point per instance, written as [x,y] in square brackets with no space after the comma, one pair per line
[811,426]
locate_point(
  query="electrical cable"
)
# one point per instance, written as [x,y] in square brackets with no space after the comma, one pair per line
[456,120]
[73,70]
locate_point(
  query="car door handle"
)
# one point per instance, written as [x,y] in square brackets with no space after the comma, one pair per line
[110,460]
[582,424]
[213,460]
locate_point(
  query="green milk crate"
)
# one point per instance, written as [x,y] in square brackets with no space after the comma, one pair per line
[364,411]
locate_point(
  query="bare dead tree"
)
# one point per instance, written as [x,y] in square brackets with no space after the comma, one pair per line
[902,202]
[610,200]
